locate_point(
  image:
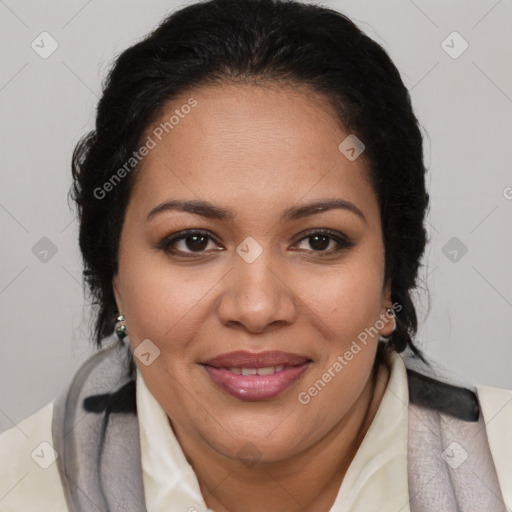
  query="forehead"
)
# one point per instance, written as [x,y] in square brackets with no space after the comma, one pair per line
[267,145]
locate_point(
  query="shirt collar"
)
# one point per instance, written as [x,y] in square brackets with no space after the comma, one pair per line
[377,477]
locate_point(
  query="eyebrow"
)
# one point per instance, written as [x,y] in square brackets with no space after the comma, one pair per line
[211,211]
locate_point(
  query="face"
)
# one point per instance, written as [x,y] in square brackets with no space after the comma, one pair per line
[252,269]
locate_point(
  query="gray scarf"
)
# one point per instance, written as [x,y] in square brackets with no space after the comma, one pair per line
[96,433]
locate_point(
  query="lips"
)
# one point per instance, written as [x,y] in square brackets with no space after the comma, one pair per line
[243,359]
[256,376]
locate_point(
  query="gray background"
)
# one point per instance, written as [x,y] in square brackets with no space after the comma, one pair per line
[464,105]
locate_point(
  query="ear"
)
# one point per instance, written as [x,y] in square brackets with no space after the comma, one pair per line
[117,293]
[390,323]
[386,295]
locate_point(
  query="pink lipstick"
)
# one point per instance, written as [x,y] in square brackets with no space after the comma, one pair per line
[256,376]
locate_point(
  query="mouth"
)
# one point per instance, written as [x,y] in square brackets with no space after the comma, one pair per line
[256,376]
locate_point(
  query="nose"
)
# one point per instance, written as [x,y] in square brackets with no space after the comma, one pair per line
[257,296]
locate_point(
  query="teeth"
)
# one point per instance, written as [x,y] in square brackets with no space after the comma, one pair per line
[268,370]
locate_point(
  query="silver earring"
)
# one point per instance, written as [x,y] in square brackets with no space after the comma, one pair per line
[121,327]
[391,313]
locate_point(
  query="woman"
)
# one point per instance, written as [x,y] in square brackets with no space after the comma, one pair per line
[251,209]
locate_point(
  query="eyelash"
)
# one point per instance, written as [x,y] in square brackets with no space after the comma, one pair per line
[166,244]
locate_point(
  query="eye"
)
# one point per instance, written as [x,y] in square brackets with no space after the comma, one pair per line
[197,241]
[192,241]
[319,240]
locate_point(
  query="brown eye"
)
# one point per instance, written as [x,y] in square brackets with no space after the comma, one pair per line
[319,241]
[196,242]
[186,243]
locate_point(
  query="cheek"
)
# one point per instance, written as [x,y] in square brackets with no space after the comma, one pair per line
[146,301]
[162,302]
[347,300]
[151,297]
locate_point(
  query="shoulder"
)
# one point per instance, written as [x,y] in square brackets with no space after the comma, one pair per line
[29,477]
[495,401]
[492,397]
[496,407]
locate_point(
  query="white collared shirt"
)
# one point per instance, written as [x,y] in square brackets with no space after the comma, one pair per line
[375,480]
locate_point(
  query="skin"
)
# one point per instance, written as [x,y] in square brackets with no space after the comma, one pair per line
[257,150]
